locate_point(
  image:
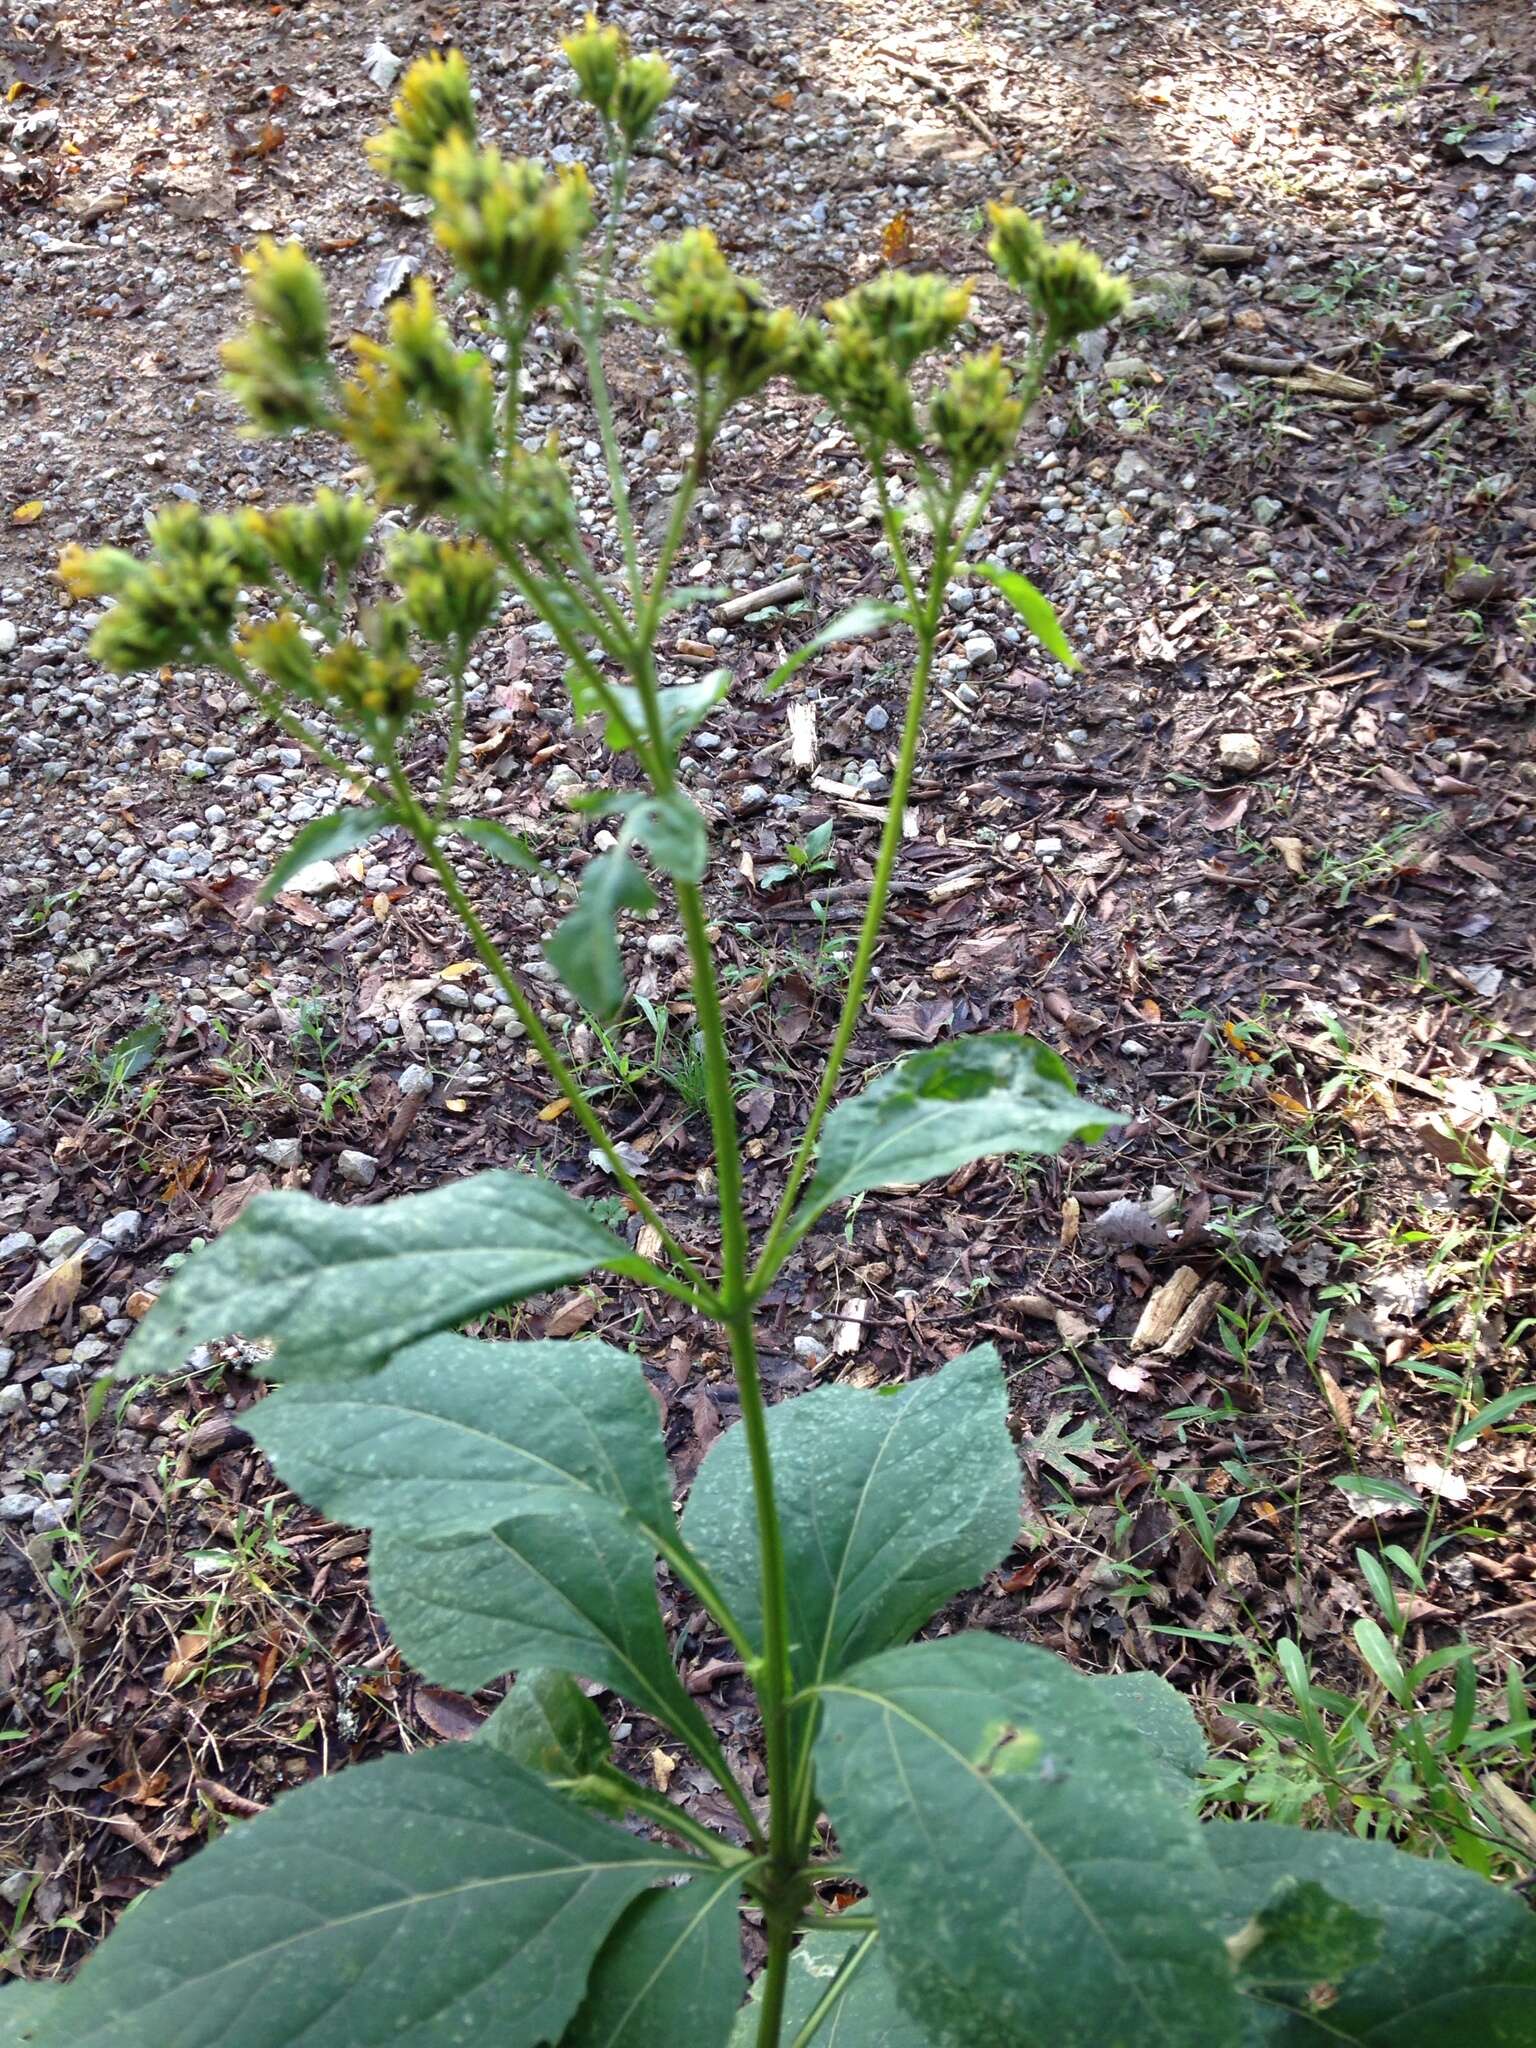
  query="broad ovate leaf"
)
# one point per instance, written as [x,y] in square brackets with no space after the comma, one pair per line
[1455,1960]
[889,1503]
[573,1587]
[1032,606]
[669,1973]
[518,1495]
[1036,1881]
[868,616]
[339,1289]
[972,1098]
[327,838]
[866,2013]
[1165,1718]
[416,1901]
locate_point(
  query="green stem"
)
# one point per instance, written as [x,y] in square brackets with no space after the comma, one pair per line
[668,1816]
[780,1236]
[834,1991]
[696,1293]
[590,341]
[455,737]
[772,1670]
[775,1983]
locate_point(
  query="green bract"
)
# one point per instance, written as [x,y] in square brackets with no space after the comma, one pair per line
[1016,1844]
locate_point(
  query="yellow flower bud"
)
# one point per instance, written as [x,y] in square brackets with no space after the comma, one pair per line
[435,101]
[644,84]
[595,55]
[509,226]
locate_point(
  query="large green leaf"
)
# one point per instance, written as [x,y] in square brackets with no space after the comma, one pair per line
[670,1972]
[970,1099]
[1036,1880]
[24,2006]
[337,1290]
[1165,1717]
[866,2014]
[584,950]
[1457,1958]
[889,1503]
[573,1587]
[418,1901]
[456,1433]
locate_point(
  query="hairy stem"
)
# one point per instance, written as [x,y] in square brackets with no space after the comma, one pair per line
[780,1237]
[696,1292]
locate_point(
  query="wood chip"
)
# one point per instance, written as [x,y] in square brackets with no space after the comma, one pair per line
[1161,1313]
[1193,1320]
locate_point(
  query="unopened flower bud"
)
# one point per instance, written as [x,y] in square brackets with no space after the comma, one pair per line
[976,417]
[595,54]
[435,101]
[278,650]
[1017,243]
[450,587]
[509,226]
[279,367]
[1074,292]
[644,84]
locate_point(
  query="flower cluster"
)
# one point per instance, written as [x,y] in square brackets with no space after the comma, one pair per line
[627,91]
[861,360]
[371,683]
[1069,287]
[510,227]
[310,542]
[717,319]
[178,604]
[279,367]
[975,417]
[450,588]
[435,102]
[420,412]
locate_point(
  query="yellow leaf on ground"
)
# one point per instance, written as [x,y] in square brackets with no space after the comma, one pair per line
[553,1109]
[28,514]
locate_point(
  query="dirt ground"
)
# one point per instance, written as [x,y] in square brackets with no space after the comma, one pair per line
[1290,502]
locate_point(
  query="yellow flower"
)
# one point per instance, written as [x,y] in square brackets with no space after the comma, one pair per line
[509,226]
[643,86]
[279,367]
[595,55]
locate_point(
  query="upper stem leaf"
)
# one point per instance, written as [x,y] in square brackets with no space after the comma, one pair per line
[972,1098]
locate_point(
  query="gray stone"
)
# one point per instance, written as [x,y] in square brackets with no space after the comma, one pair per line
[283,1153]
[58,1244]
[13,1399]
[318,879]
[19,1507]
[49,1514]
[980,648]
[877,718]
[359,1168]
[415,1081]
[16,1241]
[122,1230]
[1266,510]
